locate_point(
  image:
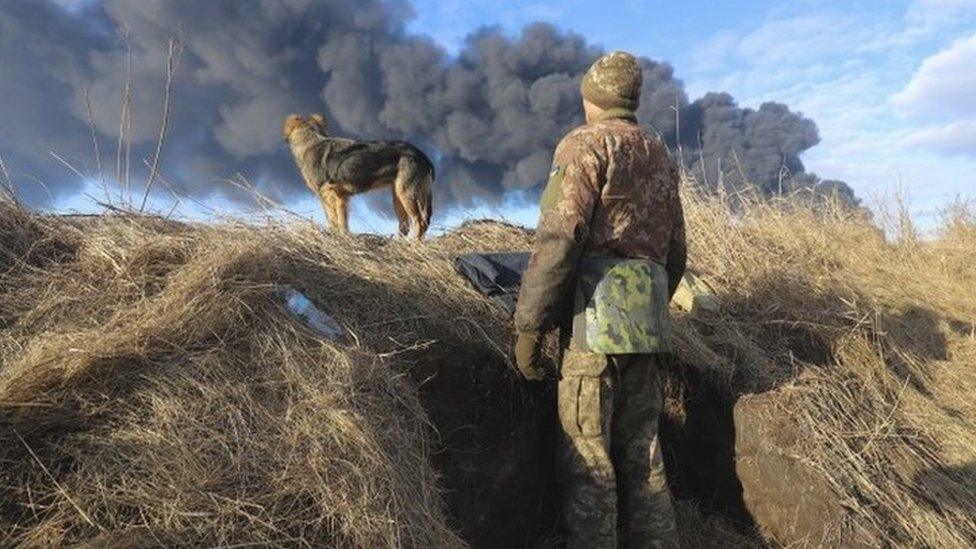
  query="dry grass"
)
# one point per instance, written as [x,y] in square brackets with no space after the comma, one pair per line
[872,344]
[152,387]
[153,390]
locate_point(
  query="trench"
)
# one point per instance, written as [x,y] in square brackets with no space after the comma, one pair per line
[495,439]
[698,442]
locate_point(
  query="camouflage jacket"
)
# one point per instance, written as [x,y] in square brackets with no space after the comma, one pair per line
[612,192]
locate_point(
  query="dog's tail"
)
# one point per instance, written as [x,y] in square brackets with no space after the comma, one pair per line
[413,188]
[424,190]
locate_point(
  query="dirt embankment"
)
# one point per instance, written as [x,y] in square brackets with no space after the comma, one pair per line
[153,389]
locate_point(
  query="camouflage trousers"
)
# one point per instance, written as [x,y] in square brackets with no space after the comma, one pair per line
[612,474]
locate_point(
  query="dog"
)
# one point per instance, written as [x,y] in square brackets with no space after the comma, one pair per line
[335,169]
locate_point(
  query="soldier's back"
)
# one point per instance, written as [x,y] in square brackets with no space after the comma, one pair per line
[638,200]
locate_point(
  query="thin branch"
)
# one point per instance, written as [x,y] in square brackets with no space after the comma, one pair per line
[172,190]
[8,184]
[677,131]
[128,125]
[172,58]
[701,158]
[95,148]
[121,174]
[113,208]
[41,184]
[67,164]
[176,204]
[260,198]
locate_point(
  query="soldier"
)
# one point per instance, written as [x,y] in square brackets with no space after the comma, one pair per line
[609,252]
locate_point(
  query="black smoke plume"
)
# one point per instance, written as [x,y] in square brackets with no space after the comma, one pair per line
[489,116]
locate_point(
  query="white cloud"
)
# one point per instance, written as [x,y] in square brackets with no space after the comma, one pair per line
[928,13]
[944,87]
[943,90]
[955,138]
[844,69]
[788,41]
[713,53]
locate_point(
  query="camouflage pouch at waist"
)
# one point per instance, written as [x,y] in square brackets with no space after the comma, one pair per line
[621,306]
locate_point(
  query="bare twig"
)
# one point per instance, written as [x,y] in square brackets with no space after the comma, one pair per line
[267,203]
[67,164]
[701,158]
[7,183]
[42,185]
[677,131]
[172,58]
[128,125]
[95,149]
[177,200]
[125,123]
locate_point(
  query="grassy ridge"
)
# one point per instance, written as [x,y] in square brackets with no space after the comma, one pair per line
[153,389]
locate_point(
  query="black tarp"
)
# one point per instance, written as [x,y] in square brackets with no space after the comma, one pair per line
[497,276]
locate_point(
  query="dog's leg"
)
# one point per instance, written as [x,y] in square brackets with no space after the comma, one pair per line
[409,203]
[402,220]
[320,192]
[422,221]
[425,205]
[328,198]
[405,186]
[327,208]
[342,212]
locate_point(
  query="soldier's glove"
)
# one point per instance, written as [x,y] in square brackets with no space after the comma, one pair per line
[528,355]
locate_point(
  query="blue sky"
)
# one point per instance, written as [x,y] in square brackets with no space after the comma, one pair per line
[891,84]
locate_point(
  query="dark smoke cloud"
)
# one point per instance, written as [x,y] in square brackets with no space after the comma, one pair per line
[489,116]
[760,146]
[43,54]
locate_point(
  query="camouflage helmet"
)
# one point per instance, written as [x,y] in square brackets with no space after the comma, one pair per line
[613,81]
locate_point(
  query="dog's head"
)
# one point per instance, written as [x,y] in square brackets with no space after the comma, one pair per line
[293,122]
[315,122]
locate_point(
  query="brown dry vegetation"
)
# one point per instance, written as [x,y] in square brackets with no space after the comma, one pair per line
[154,391]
